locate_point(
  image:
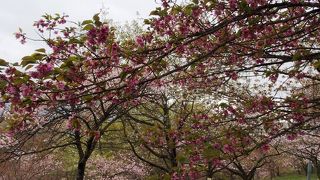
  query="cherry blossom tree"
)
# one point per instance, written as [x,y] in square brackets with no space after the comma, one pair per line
[90,78]
[181,136]
[272,41]
[72,92]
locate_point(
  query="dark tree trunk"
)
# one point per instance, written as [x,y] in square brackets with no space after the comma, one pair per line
[317,169]
[81,169]
[244,177]
[84,155]
[210,170]
[278,171]
[231,176]
[249,176]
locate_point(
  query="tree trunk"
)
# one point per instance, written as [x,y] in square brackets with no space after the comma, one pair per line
[83,155]
[231,176]
[317,168]
[210,170]
[245,178]
[278,171]
[81,169]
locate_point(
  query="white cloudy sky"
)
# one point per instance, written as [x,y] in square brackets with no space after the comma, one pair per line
[22,13]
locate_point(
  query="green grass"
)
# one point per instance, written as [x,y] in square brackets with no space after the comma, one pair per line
[294,177]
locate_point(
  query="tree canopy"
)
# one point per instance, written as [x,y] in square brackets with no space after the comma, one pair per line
[204,86]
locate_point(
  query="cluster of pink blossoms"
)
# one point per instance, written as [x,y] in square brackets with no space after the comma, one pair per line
[42,70]
[98,35]
[49,22]
[21,36]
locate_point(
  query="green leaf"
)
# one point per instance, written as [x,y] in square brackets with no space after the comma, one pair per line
[123,75]
[29,66]
[195,1]
[57,71]
[88,27]
[75,40]
[147,21]
[3,62]
[211,153]
[96,19]
[188,9]
[60,77]
[182,159]
[69,62]
[27,60]
[38,56]
[154,13]
[254,21]
[26,77]
[85,22]
[41,50]
[2,84]
[243,5]
[176,9]
[268,73]
[317,64]
[27,101]
[163,13]
[296,56]
[223,105]
[73,58]
[87,97]
[18,81]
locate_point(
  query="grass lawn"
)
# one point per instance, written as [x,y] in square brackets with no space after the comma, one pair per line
[295,177]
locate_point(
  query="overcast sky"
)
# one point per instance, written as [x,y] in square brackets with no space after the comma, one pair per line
[23,13]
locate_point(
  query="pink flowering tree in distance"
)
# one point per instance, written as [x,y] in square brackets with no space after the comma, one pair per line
[90,78]
[32,167]
[187,136]
[120,166]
